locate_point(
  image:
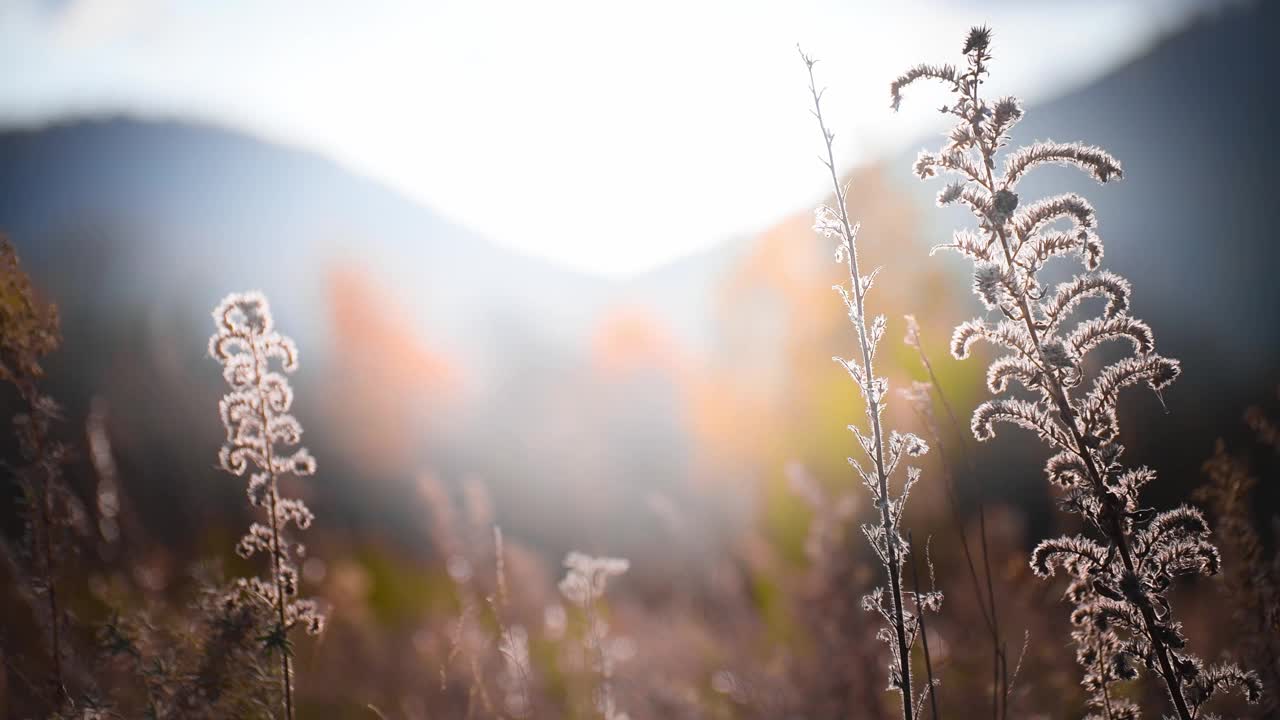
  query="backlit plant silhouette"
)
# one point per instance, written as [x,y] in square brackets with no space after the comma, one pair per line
[885,450]
[1122,571]
[256,415]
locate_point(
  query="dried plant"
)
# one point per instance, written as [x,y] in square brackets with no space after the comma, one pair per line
[837,683]
[584,585]
[824,541]
[921,610]
[920,396]
[1252,582]
[1121,579]
[207,664]
[28,332]
[256,415]
[470,639]
[885,453]
[513,640]
[1266,430]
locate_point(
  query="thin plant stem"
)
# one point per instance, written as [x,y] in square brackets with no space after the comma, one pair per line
[48,569]
[924,635]
[286,676]
[886,520]
[990,616]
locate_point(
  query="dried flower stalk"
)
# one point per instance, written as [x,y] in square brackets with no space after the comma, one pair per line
[1121,579]
[256,415]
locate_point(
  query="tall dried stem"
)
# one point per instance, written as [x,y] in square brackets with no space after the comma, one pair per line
[885,453]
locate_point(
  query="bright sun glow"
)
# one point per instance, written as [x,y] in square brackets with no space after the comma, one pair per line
[607,136]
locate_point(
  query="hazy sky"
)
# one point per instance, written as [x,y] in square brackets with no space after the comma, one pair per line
[610,136]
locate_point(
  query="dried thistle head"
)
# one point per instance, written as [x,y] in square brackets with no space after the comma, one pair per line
[978,41]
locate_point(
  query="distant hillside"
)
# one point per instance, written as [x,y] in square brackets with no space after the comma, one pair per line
[148,211]
[135,228]
[138,227]
[163,205]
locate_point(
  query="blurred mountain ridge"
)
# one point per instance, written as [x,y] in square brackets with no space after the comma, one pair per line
[136,227]
[186,202]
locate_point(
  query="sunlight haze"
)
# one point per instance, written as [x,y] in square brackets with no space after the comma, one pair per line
[609,137]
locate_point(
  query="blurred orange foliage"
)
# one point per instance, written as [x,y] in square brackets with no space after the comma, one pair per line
[384,377]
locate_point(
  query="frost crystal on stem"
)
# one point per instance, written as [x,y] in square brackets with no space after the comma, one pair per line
[259,427]
[1120,584]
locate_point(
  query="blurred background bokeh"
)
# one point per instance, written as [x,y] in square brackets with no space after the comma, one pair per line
[551,267]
